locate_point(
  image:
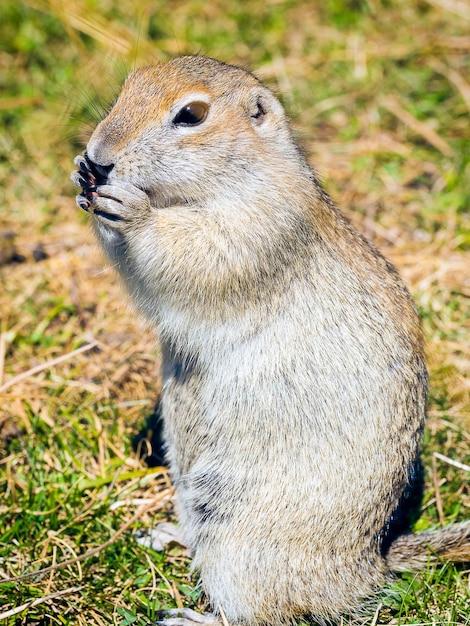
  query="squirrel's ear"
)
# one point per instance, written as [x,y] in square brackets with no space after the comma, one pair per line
[264,108]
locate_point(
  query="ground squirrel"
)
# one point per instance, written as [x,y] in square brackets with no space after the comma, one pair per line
[294,377]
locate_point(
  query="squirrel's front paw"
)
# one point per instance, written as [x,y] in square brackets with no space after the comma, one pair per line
[118,204]
[115,203]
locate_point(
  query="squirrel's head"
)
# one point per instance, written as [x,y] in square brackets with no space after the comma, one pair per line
[184,130]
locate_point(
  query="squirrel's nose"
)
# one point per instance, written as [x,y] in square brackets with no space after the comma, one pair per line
[98,170]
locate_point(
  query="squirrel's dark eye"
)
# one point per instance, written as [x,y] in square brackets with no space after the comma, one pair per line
[192,114]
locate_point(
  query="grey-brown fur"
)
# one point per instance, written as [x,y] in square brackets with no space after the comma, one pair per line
[294,376]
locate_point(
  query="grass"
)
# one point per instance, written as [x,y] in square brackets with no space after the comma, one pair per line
[379,94]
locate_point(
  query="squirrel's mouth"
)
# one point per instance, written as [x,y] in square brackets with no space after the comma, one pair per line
[93,174]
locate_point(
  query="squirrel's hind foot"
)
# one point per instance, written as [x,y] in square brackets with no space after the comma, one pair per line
[185,617]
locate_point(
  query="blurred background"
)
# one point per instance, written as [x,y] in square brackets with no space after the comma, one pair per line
[379,96]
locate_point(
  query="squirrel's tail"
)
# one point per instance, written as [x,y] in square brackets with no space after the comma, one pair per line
[415,550]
